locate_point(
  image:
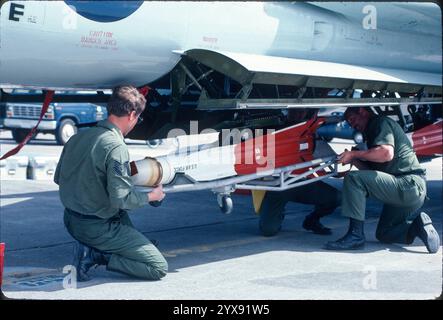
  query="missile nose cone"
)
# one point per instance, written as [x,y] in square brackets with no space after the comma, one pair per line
[150,172]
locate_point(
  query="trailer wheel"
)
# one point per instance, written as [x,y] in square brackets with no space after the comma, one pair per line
[225,203]
[153,143]
[65,131]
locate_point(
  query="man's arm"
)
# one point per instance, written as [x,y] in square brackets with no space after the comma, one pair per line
[380,154]
[58,168]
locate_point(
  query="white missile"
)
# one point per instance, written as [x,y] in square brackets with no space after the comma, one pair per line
[261,154]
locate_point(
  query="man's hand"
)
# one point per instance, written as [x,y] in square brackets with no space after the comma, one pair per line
[347,157]
[156,194]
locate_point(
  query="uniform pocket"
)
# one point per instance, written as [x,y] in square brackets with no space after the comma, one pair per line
[420,183]
[410,191]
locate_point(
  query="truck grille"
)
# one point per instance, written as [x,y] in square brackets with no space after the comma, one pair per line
[27,111]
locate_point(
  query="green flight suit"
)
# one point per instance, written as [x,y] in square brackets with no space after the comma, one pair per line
[324,197]
[95,187]
[400,183]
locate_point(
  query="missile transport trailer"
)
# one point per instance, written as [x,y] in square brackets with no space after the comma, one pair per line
[277,160]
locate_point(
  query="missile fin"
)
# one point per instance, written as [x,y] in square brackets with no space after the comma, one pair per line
[257,199]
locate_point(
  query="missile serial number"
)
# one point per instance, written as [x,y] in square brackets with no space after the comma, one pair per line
[185,168]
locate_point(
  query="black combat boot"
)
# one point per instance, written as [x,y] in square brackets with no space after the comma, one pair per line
[354,239]
[85,258]
[312,223]
[422,227]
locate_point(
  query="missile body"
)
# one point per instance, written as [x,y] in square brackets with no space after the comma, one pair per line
[427,141]
[281,148]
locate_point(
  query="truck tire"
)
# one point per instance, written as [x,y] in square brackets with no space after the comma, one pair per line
[20,134]
[65,131]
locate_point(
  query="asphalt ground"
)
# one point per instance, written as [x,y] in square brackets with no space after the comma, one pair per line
[212,256]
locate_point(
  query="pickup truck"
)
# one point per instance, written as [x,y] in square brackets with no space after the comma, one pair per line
[61,119]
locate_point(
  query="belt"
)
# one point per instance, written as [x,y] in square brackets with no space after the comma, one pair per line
[420,173]
[82,216]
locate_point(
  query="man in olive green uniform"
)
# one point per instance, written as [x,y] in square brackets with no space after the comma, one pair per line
[389,172]
[324,197]
[95,187]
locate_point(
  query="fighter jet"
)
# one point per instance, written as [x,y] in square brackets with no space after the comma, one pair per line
[234,65]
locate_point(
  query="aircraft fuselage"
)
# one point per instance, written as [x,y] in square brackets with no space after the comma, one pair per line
[47,44]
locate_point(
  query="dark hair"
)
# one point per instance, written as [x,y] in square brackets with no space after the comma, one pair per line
[124,100]
[356,110]
[349,111]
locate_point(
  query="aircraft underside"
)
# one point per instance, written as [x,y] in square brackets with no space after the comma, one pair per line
[233,98]
[228,98]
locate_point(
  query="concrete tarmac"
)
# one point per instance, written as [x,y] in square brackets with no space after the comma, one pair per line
[211,255]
